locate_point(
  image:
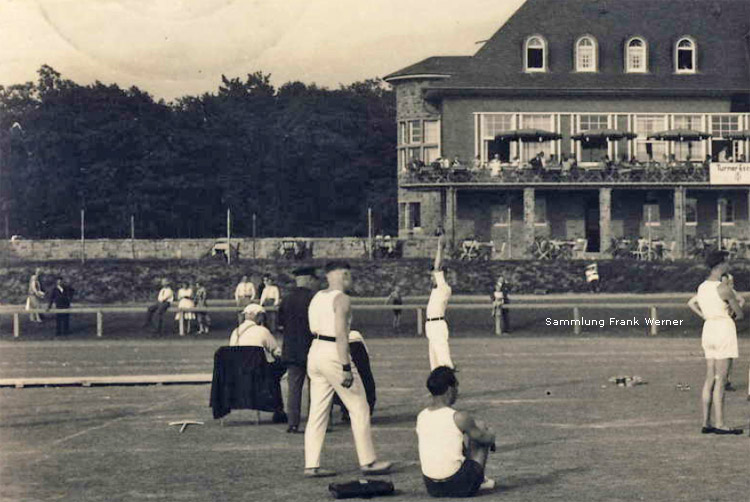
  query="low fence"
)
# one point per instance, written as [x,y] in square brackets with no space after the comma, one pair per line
[576,322]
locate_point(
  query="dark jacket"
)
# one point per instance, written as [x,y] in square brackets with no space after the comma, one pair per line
[61,299]
[293,316]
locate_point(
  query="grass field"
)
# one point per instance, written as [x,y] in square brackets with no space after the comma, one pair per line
[564,432]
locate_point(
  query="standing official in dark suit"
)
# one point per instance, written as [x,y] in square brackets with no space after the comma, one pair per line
[293,316]
[61,297]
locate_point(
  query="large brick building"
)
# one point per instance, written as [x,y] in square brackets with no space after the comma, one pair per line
[572,67]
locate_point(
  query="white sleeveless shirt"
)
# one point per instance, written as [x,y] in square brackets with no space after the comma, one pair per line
[711,304]
[321,315]
[440,443]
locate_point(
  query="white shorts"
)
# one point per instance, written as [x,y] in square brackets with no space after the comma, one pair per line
[719,339]
[436,330]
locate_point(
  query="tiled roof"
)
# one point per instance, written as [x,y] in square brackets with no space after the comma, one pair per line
[721,29]
[436,65]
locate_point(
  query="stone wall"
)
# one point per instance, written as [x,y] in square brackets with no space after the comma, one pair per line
[193,249]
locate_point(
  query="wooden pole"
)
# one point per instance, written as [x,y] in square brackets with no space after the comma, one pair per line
[510,231]
[99,324]
[229,237]
[83,236]
[132,235]
[718,224]
[648,224]
[654,316]
[254,234]
[16,325]
[576,317]
[369,233]
[420,321]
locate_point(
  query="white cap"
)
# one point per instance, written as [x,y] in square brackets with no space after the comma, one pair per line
[254,309]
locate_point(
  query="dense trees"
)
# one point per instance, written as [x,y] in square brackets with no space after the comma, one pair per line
[307,160]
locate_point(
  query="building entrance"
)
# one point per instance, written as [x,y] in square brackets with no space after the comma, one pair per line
[591,224]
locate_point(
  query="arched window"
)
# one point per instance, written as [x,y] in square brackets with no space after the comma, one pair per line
[586,54]
[685,55]
[535,54]
[636,56]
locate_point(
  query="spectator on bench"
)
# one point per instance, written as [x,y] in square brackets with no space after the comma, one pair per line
[163,301]
[453,447]
[253,333]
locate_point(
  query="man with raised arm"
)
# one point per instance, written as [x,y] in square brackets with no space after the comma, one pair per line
[436,328]
[453,447]
[716,304]
[330,370]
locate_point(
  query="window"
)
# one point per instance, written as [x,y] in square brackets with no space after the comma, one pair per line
[586,54]
[592,149]
[651,216]
[411,216]
[540,211]
[727,211]
[418,140]
[646,149]
[492,124]
[593,122]
[537,121]
[688,150]
[536,54]
[685,56]
[691,211]
[636,56]
[721,124]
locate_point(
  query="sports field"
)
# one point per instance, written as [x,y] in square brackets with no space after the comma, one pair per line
[564,432]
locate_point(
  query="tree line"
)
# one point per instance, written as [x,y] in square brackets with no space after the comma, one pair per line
[307,160]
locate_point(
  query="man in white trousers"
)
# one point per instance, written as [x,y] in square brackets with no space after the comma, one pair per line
[329,368]
[436,328]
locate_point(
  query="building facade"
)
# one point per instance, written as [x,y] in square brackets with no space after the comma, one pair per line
[639,108]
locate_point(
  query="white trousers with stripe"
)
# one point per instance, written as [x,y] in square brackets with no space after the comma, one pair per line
[440,352]
[326,374]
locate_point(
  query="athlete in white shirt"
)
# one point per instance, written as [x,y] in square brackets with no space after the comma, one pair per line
[270,297]
[330,370]
[436,328]
[244,294]
[715,303]
[453,447]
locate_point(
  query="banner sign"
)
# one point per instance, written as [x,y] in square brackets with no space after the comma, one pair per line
[730,173]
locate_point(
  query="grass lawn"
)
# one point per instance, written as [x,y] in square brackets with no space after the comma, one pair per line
[564,432]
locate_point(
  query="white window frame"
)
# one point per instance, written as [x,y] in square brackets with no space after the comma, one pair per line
[406,133]
[526,48]
[628,67]
[694,59]
[594,55]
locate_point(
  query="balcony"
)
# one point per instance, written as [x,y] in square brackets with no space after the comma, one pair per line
[626,174]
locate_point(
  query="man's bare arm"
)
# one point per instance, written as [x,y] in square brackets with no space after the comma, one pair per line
[693,304]
[439,254]
[726,294]
[342,308]
[468,425]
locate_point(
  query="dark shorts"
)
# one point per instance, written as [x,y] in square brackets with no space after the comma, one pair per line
[464,483]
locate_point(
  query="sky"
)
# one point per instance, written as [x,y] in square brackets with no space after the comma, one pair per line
[172,48]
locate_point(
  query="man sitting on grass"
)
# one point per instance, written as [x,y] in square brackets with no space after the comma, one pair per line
[453,447]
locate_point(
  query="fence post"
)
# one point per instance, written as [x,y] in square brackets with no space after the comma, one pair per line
[182,323]
[576,317]
[498,323]
[16,325]
[654,317]
[420,321]
[99,323]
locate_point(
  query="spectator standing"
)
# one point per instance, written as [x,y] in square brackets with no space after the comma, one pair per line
[395,299]
[262,284]
[35,295]
[293,316]
[201,300]
[500,313]
[495,165]
[270,297]
[185,301]
[244,294]
[61,297]
[163,301]
[592,277]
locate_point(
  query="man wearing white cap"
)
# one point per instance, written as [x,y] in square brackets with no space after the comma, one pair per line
[252,333]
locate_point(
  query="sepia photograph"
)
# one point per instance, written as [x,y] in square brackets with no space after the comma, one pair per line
[287,250]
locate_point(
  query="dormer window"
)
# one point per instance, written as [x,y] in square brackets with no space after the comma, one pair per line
[535,54]
[636,56]
[585,54]
[685,56]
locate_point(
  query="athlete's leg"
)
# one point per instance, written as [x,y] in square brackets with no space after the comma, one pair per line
[706,395]
[721,367]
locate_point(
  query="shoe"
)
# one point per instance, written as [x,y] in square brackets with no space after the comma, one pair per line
[377,467]
[487,484]
[294,429]
[317,472]
[728,432]
[728,387]
[707,430]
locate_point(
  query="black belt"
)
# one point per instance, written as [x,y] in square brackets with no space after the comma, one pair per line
[324,338]
[436,319]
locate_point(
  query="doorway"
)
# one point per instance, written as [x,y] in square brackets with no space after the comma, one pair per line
[500,147]
[591,224]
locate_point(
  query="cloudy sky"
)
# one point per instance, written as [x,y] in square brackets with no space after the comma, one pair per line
[175,47]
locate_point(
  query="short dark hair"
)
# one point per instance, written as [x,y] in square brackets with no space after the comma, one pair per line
[337,265]
[440,380]
[715,258]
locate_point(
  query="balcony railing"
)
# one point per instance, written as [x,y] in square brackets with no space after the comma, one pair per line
[678,172]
